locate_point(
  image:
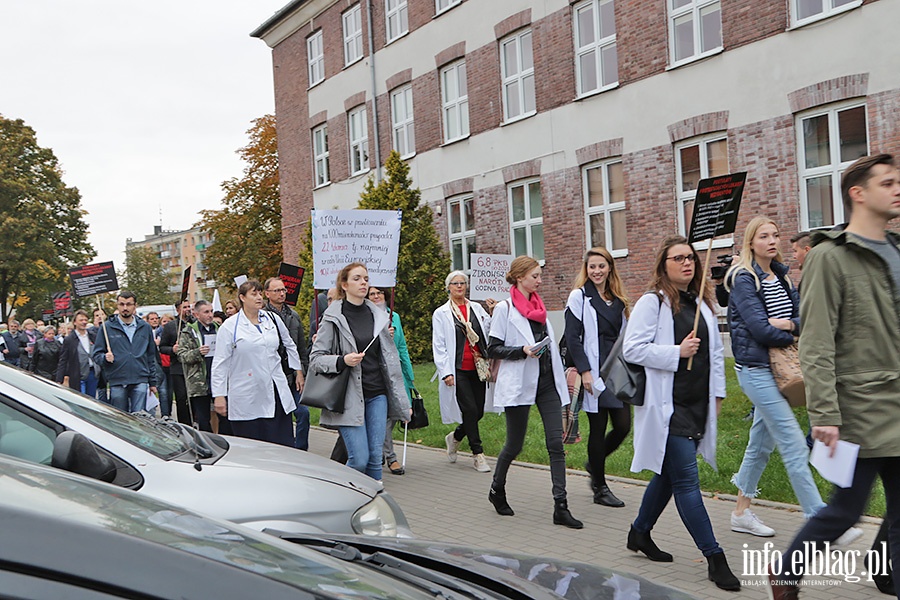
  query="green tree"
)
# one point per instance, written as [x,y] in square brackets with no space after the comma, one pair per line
[146,277]
[42,226]
[247,230]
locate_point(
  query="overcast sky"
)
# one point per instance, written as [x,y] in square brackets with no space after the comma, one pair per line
[143,103]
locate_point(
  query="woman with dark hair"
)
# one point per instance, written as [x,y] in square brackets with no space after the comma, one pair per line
[530,373]
[678,417]
[596,313]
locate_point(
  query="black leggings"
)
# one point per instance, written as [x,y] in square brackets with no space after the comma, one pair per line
[602,444]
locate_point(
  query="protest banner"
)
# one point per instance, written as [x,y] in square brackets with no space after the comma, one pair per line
[292,277]
[91,280]
[62,304]
[46,314]
[185,287]
[340,237]
[488,275]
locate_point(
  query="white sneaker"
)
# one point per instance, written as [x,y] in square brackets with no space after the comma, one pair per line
[848,537]
[750,523]
[481,464]
[452,447]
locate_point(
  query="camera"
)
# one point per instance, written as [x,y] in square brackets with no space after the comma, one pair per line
[718,271]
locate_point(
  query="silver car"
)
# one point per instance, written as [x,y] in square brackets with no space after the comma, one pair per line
[260,485]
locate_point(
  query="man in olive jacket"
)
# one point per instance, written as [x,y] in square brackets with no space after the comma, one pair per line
[850,356]
[196,349]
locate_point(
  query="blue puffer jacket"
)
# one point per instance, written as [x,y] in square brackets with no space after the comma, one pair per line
[751,333]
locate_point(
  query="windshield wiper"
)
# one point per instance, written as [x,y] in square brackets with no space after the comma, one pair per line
[193,439]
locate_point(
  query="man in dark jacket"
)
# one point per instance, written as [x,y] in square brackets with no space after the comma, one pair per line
[11,346]
[168,344]
[76,369]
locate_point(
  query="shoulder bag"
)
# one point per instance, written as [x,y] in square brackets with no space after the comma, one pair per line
[627,381]
[419,418]
[327,390]
[785,365]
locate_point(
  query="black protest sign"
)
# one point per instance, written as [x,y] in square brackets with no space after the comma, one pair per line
[185,285]
[94,279]
[292,276]
[62,304]
[716,206]
[46,314]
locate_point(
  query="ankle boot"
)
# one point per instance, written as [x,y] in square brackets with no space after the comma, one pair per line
[604,496]
[497,497]
[720,574]
[638,541]
[562,516]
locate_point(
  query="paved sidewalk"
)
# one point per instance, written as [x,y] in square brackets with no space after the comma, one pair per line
[448,502]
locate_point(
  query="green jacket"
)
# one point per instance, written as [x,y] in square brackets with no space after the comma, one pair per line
[850,345]
[192,361]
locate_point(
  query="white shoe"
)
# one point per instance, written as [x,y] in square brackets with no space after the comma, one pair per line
[452,447]
[481,464]
[750,523]
[848,537]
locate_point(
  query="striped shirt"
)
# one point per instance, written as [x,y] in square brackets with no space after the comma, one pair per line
[778,303]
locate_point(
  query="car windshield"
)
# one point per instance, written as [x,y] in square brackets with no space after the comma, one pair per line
[140,432]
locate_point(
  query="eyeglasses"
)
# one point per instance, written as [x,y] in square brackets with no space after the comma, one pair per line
[457,283]
[376,293]
[682,257]
[279,291]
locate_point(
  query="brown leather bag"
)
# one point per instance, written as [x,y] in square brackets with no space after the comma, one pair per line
[785,365]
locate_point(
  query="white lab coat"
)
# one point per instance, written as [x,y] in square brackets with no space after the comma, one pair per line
[247,368]
[650,341]
[443,345]
[517,380]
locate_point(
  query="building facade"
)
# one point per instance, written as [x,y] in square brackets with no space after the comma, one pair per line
[549,126]
[178,250]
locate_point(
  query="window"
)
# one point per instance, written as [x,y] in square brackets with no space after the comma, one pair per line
[359,141]
[402,121]
[397,20]
[807,11]
[320,155]
[442,5]
[829,141]
[315,56]
[695,28]
[604,207]
[695,160]
[527,219]
[517,69]
[596,58]
[461,219]
[353,45]
[455,101]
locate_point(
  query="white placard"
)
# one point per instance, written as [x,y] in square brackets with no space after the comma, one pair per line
[837,469]
[488,276]
[210,340]
[240,280]
[340,237]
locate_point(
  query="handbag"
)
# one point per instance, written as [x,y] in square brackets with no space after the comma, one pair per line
[327,390]
[785,365]
[625,380]
[419,417]
[282,351]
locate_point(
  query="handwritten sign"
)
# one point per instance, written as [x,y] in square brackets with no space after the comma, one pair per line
[292,276]
[94,279]
[340,237]
[716,206]
[488,275]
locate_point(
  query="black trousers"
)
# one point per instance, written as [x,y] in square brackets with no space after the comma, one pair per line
[602,444]
[181,398]
[470,398]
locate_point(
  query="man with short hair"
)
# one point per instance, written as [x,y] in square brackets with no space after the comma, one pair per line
[76,369]
[850,356]
[11,339]
[168,344]
[128,354]
[800,243]
[196,350]
[152,319]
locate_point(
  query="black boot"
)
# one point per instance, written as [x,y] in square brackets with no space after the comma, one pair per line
[562,516]
[497,497]
[721,575]
[604,496]
[638,541]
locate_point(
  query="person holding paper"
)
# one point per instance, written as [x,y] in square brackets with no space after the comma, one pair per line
[596,313]
[196,351]
[850,357]
[526,377]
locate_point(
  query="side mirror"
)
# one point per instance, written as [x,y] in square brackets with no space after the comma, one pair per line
[75,453]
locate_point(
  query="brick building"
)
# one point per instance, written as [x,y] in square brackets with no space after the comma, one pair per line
[548,126]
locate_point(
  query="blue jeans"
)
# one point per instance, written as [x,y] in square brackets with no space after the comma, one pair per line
[679,477]
[364,441]
[89,385]
[130,398]
[301,416]
[774,425]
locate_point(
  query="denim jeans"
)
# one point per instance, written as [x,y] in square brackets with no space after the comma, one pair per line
[130,398]
[679,477]
[364,441]
[774,425]
[301,416]
[89,385]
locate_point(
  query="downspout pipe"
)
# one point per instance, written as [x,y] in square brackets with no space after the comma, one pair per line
[374,96]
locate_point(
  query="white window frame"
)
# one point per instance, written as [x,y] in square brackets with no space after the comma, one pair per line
[828,10]
[353,44]
[397,11]
[529,221]
[606,209]
[358,135]
[465,233]
[596,47]
[519,79]
[835,168]
[687,196]
[441,6]
[458,105]
[320,156]
[693,8]
[403,131]
[315,58]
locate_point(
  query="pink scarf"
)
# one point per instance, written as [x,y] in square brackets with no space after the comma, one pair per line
[532,308]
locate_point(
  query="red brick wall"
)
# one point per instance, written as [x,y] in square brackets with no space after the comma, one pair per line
[745,21]
[564,244]
[641,38]
[483,75]
[427,111]
[884,116]
[554,72]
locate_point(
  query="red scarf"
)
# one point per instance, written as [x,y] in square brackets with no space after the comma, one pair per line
[531,308]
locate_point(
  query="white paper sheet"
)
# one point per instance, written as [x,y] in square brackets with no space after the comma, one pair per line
[210,340]
[837,469]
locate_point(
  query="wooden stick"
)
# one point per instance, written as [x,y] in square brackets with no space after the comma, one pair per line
[103,323]
[700,299]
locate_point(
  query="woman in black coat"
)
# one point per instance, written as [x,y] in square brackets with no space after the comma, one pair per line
[46,354]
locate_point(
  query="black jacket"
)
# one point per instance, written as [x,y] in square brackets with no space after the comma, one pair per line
[167,339]
[69,365]
[45,358]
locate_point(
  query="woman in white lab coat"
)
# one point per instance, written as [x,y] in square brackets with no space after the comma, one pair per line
[530,373]
[247,370]
[678,417]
